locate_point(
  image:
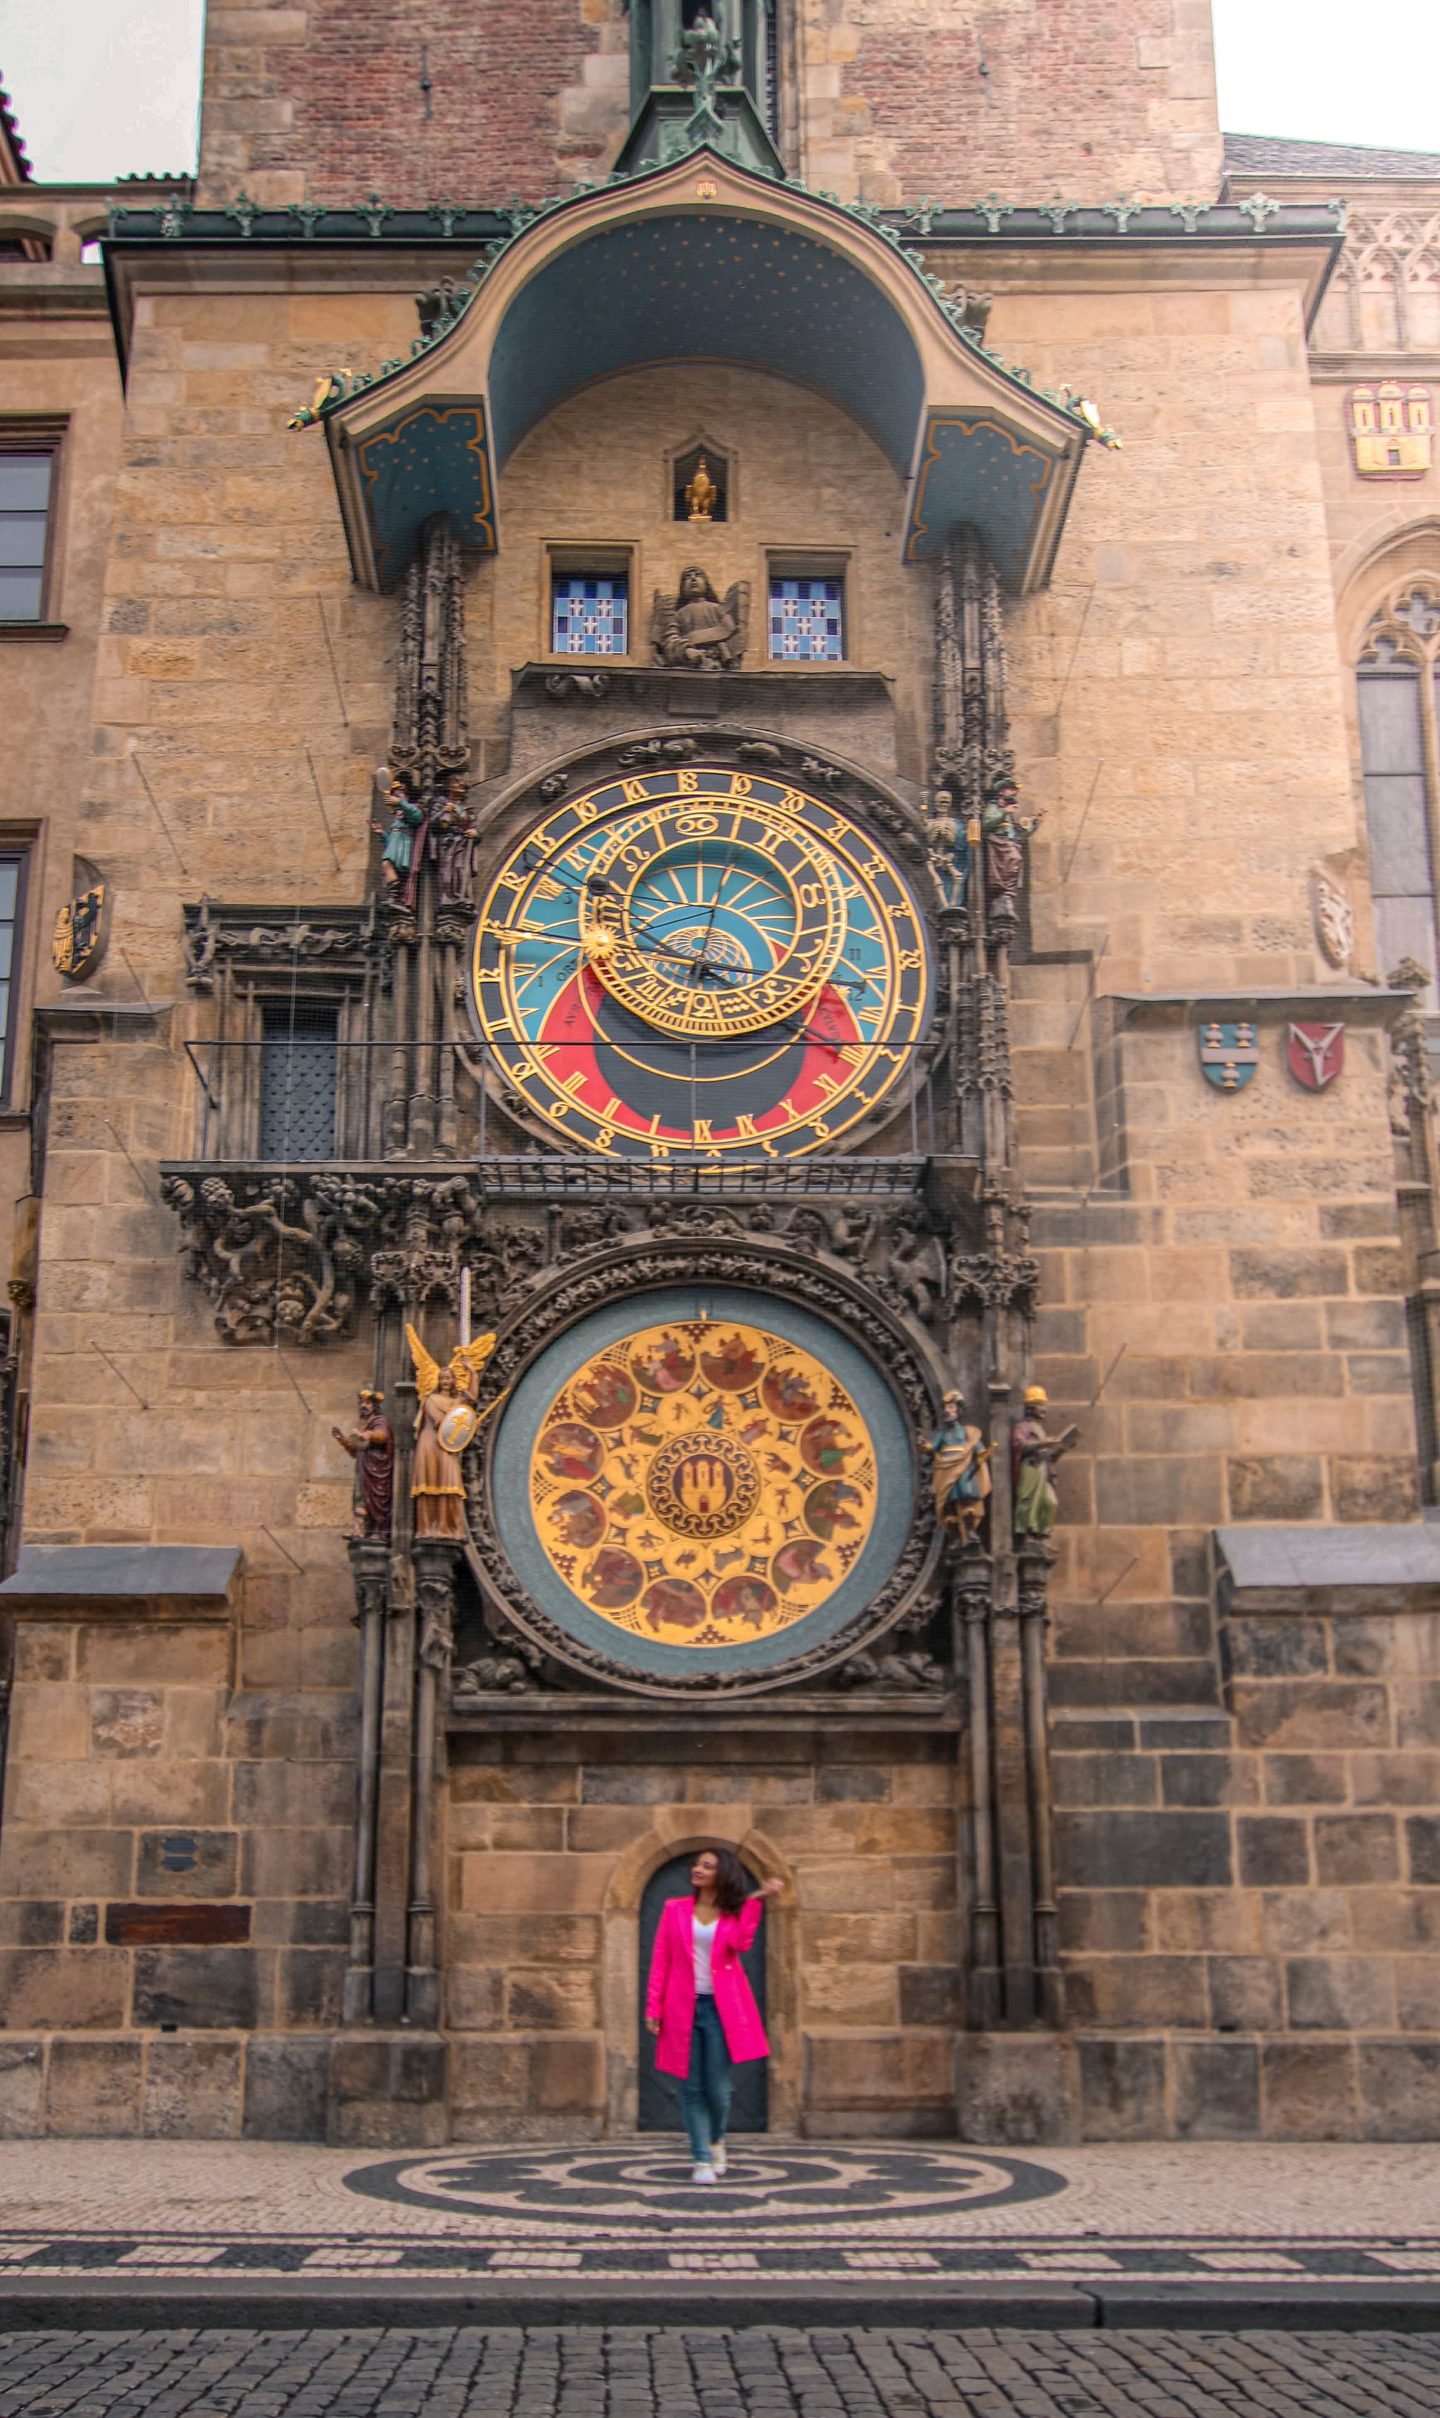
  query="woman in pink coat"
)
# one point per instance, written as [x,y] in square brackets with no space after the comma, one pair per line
[699,2005]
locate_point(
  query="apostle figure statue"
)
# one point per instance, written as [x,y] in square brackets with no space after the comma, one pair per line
[371,1446]
[1033,1458]
[1005,832]
[455,836]
[694,631]
[445,1423]
[399,856]
[959,1471]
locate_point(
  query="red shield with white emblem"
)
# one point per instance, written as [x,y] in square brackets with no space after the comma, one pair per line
[1316,1054]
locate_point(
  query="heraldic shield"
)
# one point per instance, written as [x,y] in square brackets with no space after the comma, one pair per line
[1229,1054]
[1315,1054]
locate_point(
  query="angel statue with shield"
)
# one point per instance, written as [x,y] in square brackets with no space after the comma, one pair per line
[445,1423]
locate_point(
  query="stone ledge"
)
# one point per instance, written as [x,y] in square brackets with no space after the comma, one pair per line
[188,1580]
[1387,1567]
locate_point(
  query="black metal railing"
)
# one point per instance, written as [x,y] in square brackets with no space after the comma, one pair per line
[284,1101]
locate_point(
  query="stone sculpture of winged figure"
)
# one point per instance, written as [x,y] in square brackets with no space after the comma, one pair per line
[445,1423]
[695,631]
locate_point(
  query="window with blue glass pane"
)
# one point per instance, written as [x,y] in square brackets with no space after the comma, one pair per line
[589,613]
[807,620]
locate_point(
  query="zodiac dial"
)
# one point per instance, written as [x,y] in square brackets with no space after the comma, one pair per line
[702,1484]
[698,962]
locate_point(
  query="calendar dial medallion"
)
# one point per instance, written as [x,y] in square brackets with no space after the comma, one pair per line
[699,962]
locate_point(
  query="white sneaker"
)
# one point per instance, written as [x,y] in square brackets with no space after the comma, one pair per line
[718,2159]
[703,2174]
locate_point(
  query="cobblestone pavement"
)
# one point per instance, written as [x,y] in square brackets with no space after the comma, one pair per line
[1312,2214]
[759,2372]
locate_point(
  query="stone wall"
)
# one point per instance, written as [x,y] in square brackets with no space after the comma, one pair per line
[550,1842]
[174,1878]
[1250,1896]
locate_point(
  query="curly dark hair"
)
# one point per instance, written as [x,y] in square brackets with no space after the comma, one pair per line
[731,1881]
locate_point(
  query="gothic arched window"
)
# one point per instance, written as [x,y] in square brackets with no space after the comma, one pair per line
[1399,710]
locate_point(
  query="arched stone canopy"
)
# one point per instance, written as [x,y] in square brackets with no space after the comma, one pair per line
[704,260]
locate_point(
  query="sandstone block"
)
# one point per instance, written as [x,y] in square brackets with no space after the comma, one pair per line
[1337,1994]
[567,2074]
[1244,1993]
[867,1996]
[1354,1848]
[1122,2089]
[192,2090]
[1306,1779]
[186,1863]
[22,2075]
[285,2082]
[1019,2089]
[542,1884]
[1143,1850]
[1399,2089]
[1216,2089]
[92,2088]
[1274,1851]
[559,2001]
[1308,2091]
[211,1989]
[894,2073]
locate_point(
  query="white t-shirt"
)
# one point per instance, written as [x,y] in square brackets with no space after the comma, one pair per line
[704,1952]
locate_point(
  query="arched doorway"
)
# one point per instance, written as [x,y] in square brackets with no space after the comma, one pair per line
[660,2093]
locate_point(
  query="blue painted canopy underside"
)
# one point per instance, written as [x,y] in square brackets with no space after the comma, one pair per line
[696,288]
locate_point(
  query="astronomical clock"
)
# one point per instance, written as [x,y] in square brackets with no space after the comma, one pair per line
[700,973]
[700,961]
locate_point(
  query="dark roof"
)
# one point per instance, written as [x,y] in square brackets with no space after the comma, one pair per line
[14,166]
[1277,155]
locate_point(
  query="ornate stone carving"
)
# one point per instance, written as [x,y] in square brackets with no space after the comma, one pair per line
[1334,921]
[697,631]
[1411,1092]
[282,1262]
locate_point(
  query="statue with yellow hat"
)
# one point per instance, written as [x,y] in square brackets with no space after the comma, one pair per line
[1033,1456]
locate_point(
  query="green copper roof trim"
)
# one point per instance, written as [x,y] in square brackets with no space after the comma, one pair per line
[346,384]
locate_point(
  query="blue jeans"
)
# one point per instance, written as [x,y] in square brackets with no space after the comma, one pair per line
[705,2091]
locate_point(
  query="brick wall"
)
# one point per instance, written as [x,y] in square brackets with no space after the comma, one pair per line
[325,97]
[886,98]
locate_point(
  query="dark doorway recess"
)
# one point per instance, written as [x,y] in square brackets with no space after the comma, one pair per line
[660,2093]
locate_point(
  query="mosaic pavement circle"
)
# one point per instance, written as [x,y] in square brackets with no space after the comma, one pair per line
[645,2185]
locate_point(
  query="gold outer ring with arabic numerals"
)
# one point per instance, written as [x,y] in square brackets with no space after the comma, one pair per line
[641,976]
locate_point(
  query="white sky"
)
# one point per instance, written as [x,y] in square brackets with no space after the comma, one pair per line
[105,88]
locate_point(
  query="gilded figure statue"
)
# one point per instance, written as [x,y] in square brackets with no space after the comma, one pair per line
[959,1471]
[1033,1459]
[371,1446]
[702,495]
[695,631]
[445,1423]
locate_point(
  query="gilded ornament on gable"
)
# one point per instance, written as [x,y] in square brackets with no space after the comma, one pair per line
[1392,430]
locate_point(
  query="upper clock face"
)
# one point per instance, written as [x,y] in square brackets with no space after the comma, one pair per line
[700,961]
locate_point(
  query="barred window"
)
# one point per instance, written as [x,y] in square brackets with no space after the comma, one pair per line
[299,1056]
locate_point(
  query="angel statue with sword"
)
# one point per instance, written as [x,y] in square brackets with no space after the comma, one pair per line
[445,1423]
